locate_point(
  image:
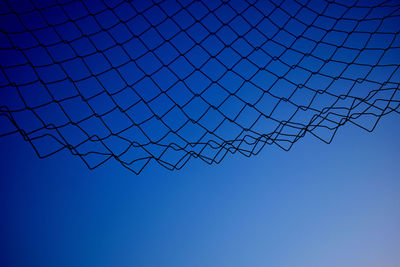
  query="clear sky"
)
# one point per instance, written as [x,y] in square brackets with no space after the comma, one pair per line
[317,205]
[101,76]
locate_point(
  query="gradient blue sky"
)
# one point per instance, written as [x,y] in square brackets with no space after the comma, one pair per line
[317,205]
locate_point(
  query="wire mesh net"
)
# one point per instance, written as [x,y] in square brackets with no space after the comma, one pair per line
[167,81]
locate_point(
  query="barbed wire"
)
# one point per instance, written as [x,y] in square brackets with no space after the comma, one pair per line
[167,81]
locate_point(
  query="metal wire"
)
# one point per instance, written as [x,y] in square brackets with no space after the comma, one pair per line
[167,81]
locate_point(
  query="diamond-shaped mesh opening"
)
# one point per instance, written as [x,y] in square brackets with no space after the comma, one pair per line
[145,82]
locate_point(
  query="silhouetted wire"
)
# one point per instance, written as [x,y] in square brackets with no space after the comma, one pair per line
[233,76]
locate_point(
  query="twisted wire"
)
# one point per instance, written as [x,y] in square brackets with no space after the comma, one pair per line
[167,81]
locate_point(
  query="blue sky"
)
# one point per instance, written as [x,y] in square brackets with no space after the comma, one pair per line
[129,79]
[317,205]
